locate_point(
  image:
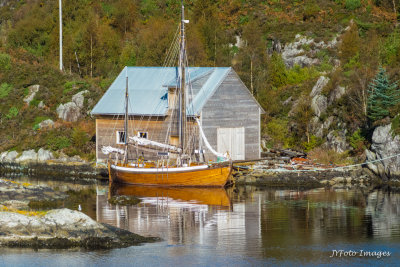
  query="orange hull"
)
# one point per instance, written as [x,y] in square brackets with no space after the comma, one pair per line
[203,196]
[216,176]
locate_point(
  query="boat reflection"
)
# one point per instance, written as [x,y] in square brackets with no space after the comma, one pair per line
[174,195]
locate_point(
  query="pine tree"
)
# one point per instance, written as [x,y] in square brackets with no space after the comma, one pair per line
[382,95]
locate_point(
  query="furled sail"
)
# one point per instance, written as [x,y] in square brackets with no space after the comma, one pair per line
[109,149]
[224,157]
[146,142]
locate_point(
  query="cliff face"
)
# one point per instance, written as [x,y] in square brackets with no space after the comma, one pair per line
[384,147]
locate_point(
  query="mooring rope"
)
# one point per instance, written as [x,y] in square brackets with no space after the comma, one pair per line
[334,168]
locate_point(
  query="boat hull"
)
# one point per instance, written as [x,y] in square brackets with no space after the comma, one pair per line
[215,176]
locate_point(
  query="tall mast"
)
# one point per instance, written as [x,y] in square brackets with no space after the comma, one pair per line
[126,118]
[182,107]
[60,34]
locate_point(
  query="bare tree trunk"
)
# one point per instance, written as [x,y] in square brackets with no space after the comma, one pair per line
[77,62]
[395,12]
[215,47]
[91,56]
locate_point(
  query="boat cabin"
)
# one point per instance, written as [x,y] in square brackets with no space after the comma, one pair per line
[229,114]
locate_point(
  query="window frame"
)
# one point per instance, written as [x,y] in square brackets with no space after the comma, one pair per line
[118,135]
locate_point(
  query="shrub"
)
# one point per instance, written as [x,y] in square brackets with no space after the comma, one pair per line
[352,4]
[329,156]
[5,89]
[79,138]
[314,142]
[12,113]
[58,142]
[5,62]
[357,141]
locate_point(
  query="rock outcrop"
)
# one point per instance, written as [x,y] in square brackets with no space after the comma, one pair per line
[384,147]
[302,51]
[336,140]
[46,124]
[27,156]
[319,104]
[72,111]
[33,89]
[63,228]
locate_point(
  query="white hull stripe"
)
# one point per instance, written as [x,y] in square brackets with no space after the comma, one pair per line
[158,170]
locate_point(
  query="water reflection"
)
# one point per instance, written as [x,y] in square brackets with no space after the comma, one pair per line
[261,223]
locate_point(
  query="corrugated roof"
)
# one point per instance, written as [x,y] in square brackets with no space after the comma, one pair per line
[148,87]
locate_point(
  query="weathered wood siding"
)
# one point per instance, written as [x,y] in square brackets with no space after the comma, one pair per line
[233,106]
[107,127]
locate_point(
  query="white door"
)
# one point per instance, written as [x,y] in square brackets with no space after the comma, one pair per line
[231,140]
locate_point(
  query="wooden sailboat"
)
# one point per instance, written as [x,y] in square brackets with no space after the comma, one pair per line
[180,168]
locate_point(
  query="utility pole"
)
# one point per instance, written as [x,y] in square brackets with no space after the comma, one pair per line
[60,13]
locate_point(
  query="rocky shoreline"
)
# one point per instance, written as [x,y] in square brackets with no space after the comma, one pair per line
[23,225]
[360,177]
[61,229]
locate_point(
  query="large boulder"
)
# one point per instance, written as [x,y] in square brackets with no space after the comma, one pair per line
[78,98]
[27,156]
[71,111]
[384,148]
[44,155]
[33,89]
[10,156]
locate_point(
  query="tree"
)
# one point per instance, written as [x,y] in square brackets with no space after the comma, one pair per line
[382,95]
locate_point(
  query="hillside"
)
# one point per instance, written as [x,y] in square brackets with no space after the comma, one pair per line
[310,64]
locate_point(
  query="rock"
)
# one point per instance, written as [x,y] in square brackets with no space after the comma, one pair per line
[319,104]
[2,156]
[287,101]
[78,98]
[69,112]
[28,155]
[328,122]
[46,124]
[319,85]
[41,104]
[302,51]
[339,180]
[384,146]
[33,89]
[336,94]
[11,156]
[62,228]
[337,141]
[44,155]
[316,127]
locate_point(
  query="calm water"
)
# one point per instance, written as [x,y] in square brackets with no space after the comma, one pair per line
[245,226]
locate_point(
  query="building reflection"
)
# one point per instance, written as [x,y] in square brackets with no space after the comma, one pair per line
[254,221]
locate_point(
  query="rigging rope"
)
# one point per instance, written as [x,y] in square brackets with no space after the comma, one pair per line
[217,154]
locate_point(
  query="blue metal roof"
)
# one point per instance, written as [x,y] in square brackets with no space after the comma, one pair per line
[148,88]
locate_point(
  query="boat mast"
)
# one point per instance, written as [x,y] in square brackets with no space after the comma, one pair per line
[126,118]
[182,107]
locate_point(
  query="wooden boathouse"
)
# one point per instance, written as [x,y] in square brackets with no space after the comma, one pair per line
[229,114]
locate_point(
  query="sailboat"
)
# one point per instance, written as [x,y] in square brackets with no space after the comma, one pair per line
[178,164]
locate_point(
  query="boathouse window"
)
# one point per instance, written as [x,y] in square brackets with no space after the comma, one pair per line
[121,137]
[142,134]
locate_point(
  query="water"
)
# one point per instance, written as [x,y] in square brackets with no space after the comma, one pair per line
[245,226]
